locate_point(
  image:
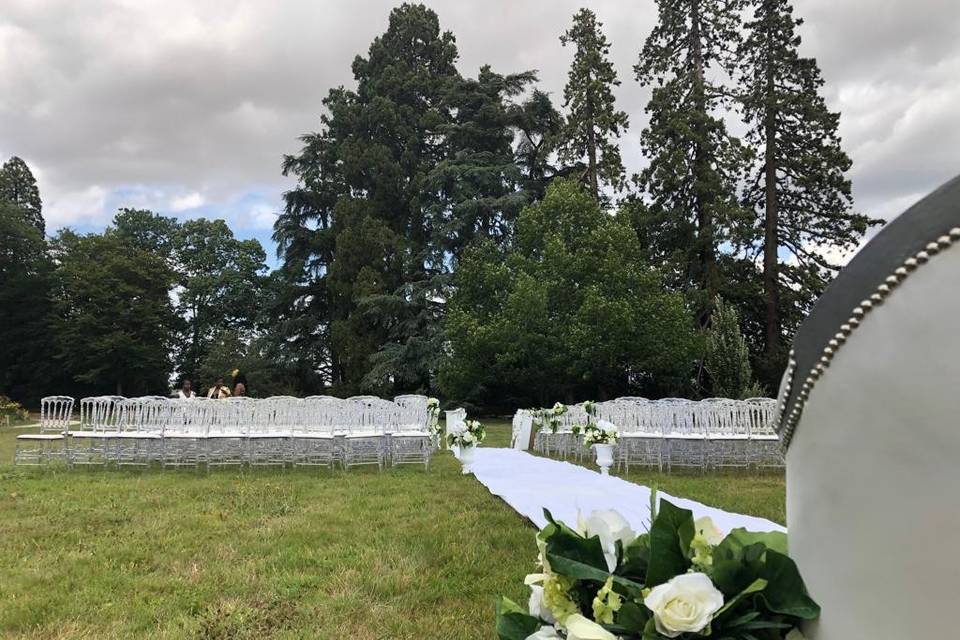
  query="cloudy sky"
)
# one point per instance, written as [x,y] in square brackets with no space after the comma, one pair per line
[187,106]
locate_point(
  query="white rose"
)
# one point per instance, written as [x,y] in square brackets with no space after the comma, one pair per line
[685,604]
[610,526]
[706,528]
[581,628]
[544,633]
[467,437]
[536,607]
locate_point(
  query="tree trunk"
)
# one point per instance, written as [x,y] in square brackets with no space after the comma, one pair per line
[706,252]
[771,281]
[594,180]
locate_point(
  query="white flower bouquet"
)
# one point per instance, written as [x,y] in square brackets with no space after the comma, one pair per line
[471,435]
[681,579]
[549,418]
[603,432]
[433,417]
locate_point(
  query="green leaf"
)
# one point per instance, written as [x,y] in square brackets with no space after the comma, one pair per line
[513,623]
[775,540]
[670,537]
[636,559]
[735,567]
[631,619]
[757,585]
[786,593]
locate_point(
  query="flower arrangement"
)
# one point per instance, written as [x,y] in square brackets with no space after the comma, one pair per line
[11,410]
[681,579]
[603,432]
[590,408]
[433,417]
[549,418]
[472,434]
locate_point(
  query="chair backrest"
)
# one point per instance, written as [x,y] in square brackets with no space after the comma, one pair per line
[455,420]
[56,412]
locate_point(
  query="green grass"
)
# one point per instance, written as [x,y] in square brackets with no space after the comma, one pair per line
[274,554]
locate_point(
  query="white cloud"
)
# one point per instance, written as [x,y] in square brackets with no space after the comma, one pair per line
[179,105]
[187,201]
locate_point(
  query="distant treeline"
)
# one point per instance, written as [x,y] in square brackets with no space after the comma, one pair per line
[467,238]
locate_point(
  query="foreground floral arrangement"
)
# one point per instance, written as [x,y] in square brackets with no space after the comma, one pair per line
[471,434]
[682,579]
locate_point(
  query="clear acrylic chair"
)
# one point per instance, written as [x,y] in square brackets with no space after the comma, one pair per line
[56,413]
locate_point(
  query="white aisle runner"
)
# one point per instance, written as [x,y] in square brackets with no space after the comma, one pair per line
[529,484]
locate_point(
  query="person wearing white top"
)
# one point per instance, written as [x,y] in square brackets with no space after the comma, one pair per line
[186,392]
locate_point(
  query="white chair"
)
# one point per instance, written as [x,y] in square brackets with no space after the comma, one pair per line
[364,443]
[269,426]
[684,438]
[454,423]
[88,444]
[220,438]
[411,441]
[727,427]
[56,412]
[313,439]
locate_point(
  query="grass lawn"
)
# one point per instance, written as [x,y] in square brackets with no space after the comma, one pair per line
[274,554]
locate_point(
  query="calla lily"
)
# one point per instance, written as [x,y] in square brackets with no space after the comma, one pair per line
[582,628]
[610,527]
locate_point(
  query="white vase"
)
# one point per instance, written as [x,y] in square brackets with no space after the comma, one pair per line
[604,457]
[466,458]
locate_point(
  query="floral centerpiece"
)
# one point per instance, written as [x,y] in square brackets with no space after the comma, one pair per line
[681,579]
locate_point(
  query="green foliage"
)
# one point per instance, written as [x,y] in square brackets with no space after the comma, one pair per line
[147,230]
[12,412]
[797,184]
[762,592]
[566,309]
[538,125]
[113,319]
[690,204]
[357,232]
[25,339]
[219,282]
[268,372]
[727,358]
[593,124]
[19,188]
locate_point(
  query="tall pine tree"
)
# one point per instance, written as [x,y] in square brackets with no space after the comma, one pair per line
[359,248]
[19,188]
[593,124]
[798,184]
[691,181]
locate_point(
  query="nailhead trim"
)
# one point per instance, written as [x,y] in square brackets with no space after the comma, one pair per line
[786,424]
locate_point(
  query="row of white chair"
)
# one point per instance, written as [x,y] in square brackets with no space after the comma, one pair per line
[281,430]
[673,432]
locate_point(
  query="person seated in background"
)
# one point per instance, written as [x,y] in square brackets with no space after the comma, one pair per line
[239,383]
[186,391]
[219,390]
